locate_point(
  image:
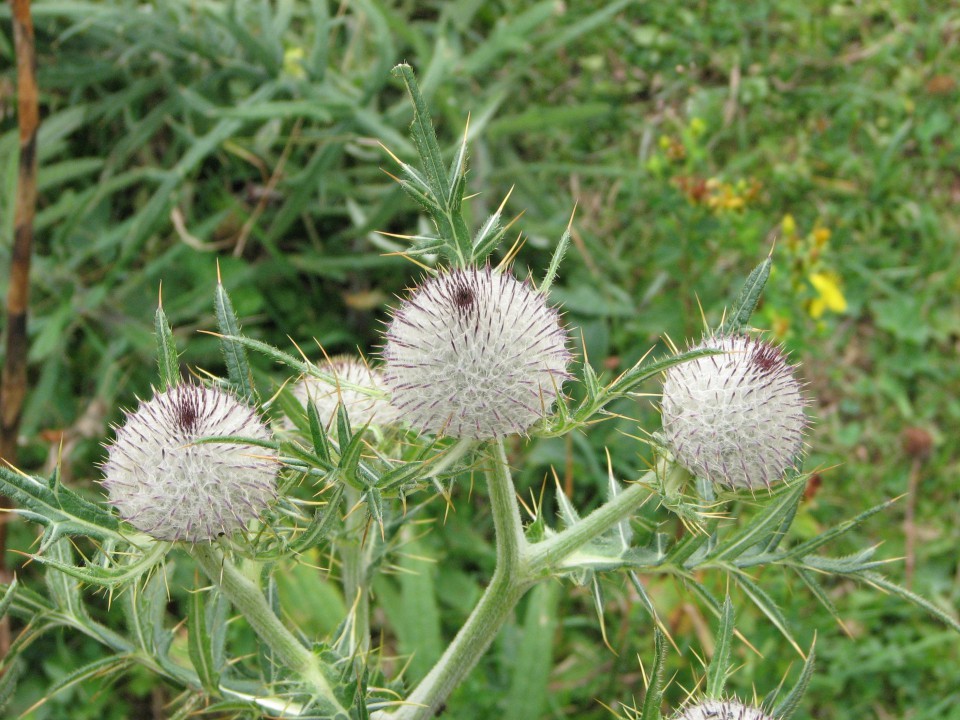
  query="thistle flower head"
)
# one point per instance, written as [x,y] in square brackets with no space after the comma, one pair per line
[735,419]
[170,488]
[721,710]
[474,353]
[349,373]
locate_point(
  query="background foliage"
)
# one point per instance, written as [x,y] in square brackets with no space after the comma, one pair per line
[690,136]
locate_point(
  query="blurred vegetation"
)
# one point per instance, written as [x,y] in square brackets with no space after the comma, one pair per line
[692,138]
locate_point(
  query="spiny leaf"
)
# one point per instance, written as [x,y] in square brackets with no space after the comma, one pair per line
[235,354]
[199,645]
[908,595]
[789,705]
[719,666]
[758,530]
[654,697]
[747,300]
[167,362]
[60,510]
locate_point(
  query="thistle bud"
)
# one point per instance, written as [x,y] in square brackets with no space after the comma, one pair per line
[735,419]
[721,710]
[169,487]
[349,373]
[474,353]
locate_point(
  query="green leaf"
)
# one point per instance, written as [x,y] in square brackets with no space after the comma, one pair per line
[806,548]
[719,667]
[882,583]
[8,593]
[424,136]
[235,354]
[789,705]
[167,361]
[640,372]
[320,525]
[60,510]
[199,643]
[527,697]
[13,668]
[768,607]
[556,259]
[758,530]
[64,589]
[108,666]
[318,435]
[654,696]
[112,575]
[747,300]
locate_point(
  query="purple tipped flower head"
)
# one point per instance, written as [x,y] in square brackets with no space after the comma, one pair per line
[170,488]
[474,353]
[735,419]
[722,710]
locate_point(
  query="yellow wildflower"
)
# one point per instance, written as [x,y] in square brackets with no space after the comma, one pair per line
[293,62]
[821,236]
[829,294]
[788,226]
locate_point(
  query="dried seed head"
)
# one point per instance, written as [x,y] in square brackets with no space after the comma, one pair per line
[172,489]
[362,409]
[735,419]
[474,353]
[721,710]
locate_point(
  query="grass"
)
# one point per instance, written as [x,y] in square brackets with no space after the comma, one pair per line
[177,135]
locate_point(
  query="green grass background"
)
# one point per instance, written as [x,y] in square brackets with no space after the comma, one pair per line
[177,134]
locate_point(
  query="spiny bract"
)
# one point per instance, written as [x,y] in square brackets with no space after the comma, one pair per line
[170,488]
[474,353]
[362,408]
[736,418]
[721,710]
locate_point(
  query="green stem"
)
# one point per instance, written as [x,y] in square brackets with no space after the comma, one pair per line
[544,557]
[354,562]
[250,602]
[508,585]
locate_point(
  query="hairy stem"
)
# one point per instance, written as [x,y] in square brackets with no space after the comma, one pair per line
[250,602]
[354,562]
[545,556]
[508,585]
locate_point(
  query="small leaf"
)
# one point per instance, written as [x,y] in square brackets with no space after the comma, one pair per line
[789,705]
[167,361]
[8,593]
[882,583]
[235,355]
[719,667]
[654,697]
[747,300]
[558,255]
[321,524]
[768,608]
[424,136]
[62,511]
[199,643]
[758,530]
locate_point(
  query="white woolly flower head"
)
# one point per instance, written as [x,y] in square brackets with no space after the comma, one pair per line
[349,373]
[170,488]
[721,710]
[735,419]
[474,353]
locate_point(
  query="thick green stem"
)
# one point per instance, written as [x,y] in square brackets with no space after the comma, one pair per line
[250,602]
[508,585]
[353,558]
[545,556]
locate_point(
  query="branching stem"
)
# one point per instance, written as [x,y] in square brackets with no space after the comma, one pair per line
[250,602]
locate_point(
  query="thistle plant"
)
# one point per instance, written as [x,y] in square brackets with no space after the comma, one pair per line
[472,356]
